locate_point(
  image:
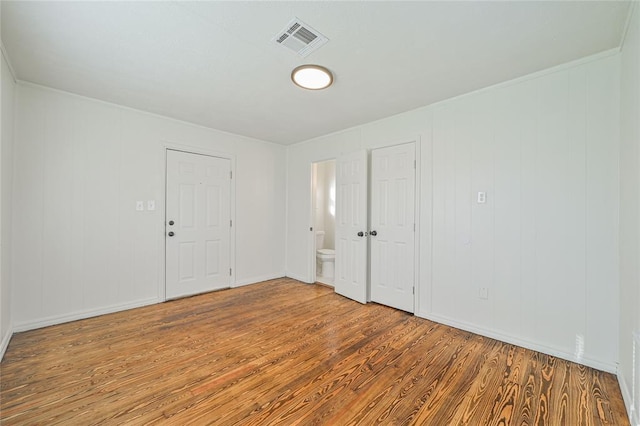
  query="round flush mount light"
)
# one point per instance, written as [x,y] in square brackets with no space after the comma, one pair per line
[312,77]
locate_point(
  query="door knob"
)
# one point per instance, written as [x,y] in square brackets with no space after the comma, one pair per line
[374,233]
[171,234]
[360,234]
[171,222]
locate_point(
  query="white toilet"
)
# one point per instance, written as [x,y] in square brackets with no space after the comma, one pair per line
[325,258]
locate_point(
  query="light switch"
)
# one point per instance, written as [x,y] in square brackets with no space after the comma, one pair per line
[151,205]
[482,197]
[140,206]
[483,293]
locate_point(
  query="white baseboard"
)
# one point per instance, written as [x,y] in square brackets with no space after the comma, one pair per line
[534,346]
[78,315]
[59,319]
[632,412]
[630,391]
[299,278]
[256,280]
[4,343]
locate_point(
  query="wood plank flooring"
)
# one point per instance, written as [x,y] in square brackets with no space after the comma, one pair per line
[283,352]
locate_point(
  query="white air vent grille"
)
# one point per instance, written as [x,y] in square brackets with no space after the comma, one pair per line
[300,38]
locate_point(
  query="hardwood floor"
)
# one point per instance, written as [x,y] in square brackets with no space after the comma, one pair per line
[282,352]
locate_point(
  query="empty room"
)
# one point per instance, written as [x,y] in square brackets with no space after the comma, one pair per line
[320,212]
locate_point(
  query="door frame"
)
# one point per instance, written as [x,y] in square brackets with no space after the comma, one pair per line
[312,229]
[385,143]
[162,271]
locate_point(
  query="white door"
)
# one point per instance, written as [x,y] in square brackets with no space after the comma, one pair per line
[351,226]
[198,222]
[392,226]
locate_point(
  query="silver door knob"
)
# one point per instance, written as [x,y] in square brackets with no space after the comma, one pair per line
[171,234]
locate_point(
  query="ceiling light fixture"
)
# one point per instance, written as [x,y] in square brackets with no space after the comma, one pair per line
[312,77]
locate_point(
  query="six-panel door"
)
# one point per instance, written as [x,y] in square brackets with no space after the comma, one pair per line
[392,236]
[197,223]
[351,220]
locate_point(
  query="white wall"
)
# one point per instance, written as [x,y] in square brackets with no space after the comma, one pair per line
[545,243]
[318,196]
[80,247]
[630,214]
[330,204]
[6,169]
[325,183]
[545,149]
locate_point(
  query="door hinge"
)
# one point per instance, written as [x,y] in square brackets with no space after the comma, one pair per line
[414,290]
[230,223]
[229,271]
[231,175]
[414,164]
[414,227]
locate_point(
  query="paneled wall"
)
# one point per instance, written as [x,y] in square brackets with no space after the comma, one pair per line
[544,149]
[630,216]
[544,244]
[6,176]
[80,247]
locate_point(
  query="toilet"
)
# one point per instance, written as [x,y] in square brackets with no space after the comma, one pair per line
[325,258]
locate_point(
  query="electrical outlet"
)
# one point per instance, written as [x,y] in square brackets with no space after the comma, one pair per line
[482,197]
[483,293]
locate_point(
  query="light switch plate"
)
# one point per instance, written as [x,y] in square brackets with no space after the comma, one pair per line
[151,205]
[483,293]
[139,206]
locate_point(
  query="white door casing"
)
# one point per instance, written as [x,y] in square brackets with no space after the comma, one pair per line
[198,204]
[351,220]
[392,235]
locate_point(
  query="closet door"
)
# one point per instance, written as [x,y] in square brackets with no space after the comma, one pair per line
[198,225]
[393,226]
[351,226]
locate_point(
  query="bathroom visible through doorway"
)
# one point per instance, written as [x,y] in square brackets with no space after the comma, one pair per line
[323,182]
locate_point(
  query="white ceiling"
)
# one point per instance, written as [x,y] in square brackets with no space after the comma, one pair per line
[214,64]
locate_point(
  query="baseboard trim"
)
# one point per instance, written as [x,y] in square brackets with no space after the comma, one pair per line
[298,278]
[4,343]
[78,315]
[74,316]
[598,365]
[256,280]
[628,400]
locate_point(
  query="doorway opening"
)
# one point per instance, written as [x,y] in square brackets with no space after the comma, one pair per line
[323,200]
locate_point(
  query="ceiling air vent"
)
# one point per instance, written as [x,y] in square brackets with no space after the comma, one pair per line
[300,38]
